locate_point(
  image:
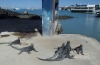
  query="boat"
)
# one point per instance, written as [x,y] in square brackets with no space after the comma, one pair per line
[84,8]
[15,9]
[98,14]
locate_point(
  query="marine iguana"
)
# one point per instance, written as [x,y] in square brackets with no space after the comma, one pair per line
[61,53]
[58,51]
[13,43]
[79,49]
[27,49]
[67,50]
[59,58]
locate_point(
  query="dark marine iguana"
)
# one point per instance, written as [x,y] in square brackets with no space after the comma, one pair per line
[67,50]
[27,49]
[61,53]
[13,43]
[79,49]
[58,51]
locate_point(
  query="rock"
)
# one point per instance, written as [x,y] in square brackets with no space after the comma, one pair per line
[64,17]
[4,34]
[37,32]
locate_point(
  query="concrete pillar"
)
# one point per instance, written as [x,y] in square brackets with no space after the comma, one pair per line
[49,17]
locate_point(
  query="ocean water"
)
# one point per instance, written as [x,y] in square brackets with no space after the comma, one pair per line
[82,23]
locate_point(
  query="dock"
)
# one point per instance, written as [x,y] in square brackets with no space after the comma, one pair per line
[46,45]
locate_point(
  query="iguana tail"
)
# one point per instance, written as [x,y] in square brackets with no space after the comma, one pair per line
[15,47]
[56,59]
[4,43]
[53,56]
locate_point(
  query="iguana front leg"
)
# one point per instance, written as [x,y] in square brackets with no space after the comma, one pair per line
[20,52]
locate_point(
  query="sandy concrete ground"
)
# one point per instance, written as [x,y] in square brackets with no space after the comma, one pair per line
[46,45]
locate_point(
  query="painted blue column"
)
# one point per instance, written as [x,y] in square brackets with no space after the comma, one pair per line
[49,7]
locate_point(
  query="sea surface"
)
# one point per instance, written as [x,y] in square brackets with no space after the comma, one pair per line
[82,23]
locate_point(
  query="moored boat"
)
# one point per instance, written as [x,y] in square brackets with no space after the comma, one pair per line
[98,14]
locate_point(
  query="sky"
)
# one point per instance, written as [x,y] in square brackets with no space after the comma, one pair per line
[38,3]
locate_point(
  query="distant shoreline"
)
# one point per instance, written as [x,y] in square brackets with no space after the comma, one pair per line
[11,14]
[33,16]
